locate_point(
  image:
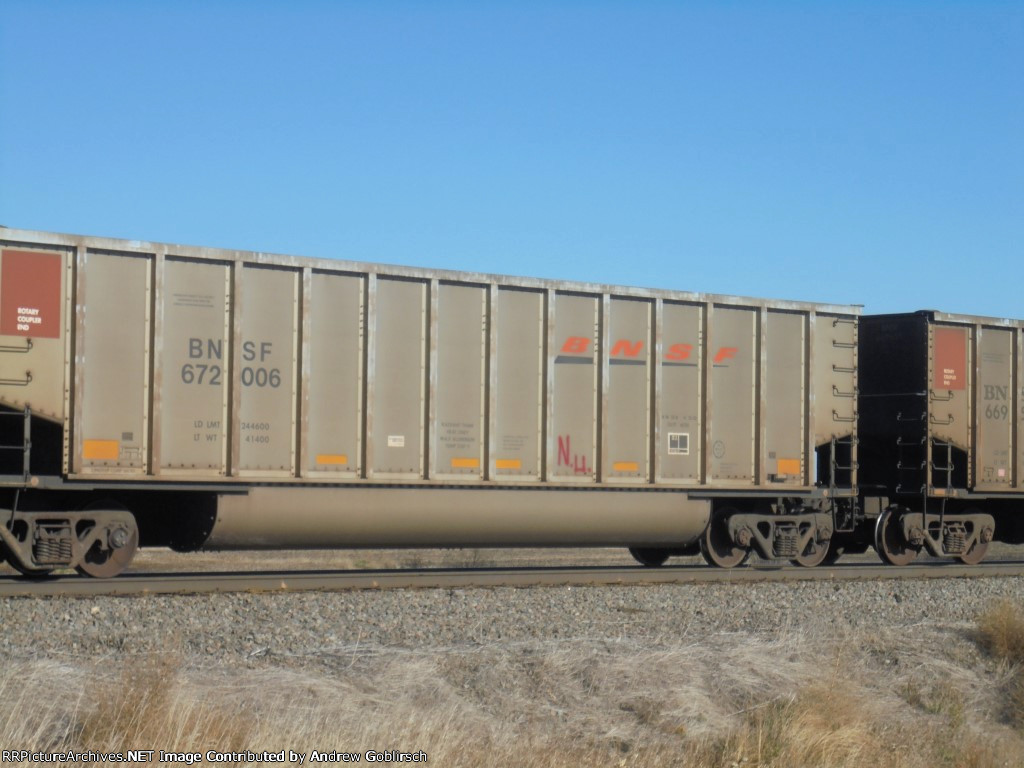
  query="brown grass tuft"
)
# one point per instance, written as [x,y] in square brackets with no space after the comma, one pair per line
[145,706]
[1001,632]
[821,725]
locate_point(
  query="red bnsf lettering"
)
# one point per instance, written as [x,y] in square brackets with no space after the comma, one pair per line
[575,345]
[725,353]
[629,349]
[679,352]
[578,345]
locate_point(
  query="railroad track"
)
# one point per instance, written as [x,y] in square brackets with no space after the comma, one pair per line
[441,578]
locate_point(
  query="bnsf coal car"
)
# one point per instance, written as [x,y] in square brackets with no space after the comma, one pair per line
[190,397]
[941,422]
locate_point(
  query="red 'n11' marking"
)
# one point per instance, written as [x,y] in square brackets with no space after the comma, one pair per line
[566,458]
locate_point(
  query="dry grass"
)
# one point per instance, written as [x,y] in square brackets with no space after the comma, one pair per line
[818,726]
[1001,633]
[732,700]
[145,705]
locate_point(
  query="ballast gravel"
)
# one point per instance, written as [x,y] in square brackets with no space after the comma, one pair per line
[314,629]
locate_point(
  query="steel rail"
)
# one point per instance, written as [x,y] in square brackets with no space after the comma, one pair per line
[467,578]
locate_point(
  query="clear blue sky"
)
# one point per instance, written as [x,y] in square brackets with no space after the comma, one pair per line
[844,152]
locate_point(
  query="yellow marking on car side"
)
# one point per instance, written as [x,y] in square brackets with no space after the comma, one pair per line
[332,459]
[101,450]
[789,466]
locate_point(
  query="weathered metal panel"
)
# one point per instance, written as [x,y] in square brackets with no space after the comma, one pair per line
[458,422]
[519,385]
[785,397]
[333,410]
[114,355]
[398,378]
[733,351]
[34,286]
[974,400]
[834,373]
[194,357]
[265,428]
[993,453]
[413,374]
[680,393]
[574,361]
[627,421]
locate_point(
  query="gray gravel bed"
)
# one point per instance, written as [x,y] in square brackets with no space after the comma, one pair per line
[308,629]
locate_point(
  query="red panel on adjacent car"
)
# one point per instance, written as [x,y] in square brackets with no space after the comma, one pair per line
[30,294]
[950,359]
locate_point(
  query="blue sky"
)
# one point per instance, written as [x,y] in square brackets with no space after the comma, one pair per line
[868,153]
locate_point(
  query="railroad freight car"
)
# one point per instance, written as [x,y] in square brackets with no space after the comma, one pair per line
[941,422]
[193,397]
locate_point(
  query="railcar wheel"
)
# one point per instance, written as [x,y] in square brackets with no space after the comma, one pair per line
[889,540]
[36,573]
[11,560]
[975,555]
[105,563]
[717,546]
[834,552]
[33,573]
[815,554]
[649,556]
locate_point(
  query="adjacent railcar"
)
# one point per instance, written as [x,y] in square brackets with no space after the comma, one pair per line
[941,422]
[158,394]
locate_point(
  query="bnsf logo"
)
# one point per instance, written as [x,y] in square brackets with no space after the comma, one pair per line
[623,348]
